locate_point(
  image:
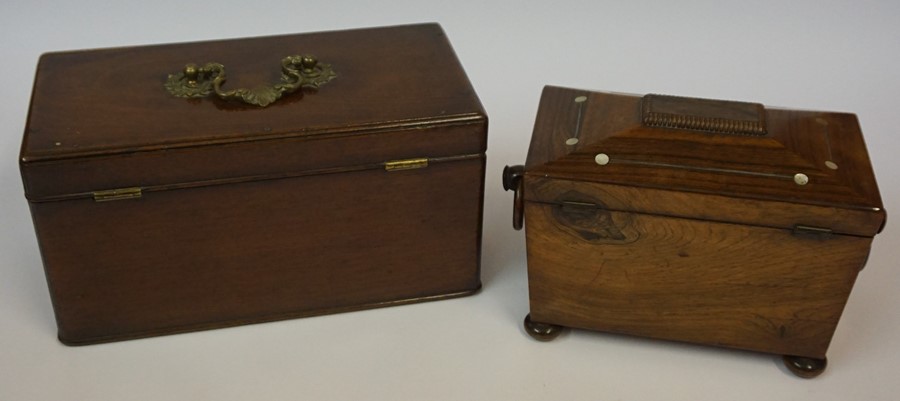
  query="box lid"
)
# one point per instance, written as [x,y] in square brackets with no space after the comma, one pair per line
[104,119]
[708,159]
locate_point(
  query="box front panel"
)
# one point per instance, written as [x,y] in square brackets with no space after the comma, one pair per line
[730,285]
[221,255]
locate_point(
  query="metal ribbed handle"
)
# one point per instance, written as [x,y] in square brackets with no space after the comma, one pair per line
[708,115]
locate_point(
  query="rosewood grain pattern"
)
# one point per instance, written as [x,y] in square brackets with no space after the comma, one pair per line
[667,202]
[834,137]
[760,167]
[705,221]
[557,114]
[738,286]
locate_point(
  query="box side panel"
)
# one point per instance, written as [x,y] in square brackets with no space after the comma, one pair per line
[729,285]
[715,207]
[229,254]
[253,159]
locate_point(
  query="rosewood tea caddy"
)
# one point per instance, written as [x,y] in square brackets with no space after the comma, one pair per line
[704,221]
[166,199]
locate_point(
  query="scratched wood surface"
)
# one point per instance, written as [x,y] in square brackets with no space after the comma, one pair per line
[704,282]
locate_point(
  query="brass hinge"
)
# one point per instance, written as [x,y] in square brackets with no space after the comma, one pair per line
[117,194]
[406,164]
[817,232]
[578,204]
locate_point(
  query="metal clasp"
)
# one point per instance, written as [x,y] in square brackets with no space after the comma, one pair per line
[118,194]
[406,164]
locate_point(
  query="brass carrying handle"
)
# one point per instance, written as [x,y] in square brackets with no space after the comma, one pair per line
[512,180]
[297,72]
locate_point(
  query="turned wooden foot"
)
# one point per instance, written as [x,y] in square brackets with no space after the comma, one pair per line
[541,331]
[804,367]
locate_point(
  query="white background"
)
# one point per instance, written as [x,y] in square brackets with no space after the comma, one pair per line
[825,55]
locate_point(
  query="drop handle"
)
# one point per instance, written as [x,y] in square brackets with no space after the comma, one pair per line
[513,181]
[296,72]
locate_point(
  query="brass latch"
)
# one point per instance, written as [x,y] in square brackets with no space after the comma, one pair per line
[117,194]
[406,164]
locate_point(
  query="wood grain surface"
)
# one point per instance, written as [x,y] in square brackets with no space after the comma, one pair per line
[730,285]
[221,255]
[711,222]
[251,214]
[752,167]
[113,101]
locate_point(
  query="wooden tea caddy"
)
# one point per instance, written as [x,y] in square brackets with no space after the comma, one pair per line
[166,199]
[704,221]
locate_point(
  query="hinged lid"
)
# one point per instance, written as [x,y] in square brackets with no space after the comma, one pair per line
[110,119]
[708,159]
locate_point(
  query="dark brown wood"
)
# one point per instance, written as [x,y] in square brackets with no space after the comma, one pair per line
[512,181]
[94,109]
[677,233]
[387,77]
[251,214]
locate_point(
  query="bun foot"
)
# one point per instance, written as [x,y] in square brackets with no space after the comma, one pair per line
[541,331]
[804,367]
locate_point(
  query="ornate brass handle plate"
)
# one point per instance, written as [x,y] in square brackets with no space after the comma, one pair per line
[297,72]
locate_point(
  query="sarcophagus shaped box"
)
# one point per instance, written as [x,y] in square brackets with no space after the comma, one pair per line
[705,221]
